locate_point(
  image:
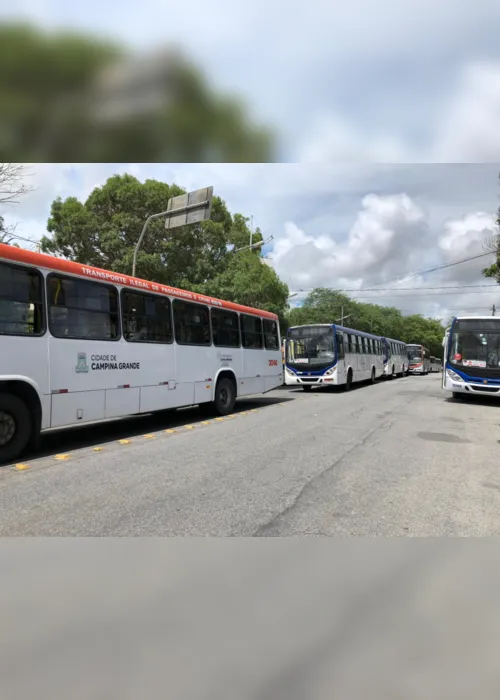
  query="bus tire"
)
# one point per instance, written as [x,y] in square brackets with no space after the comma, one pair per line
[393,373]
[225,396]
[457,395]
[348,381]
[15,427]
[372,379]
[307,387]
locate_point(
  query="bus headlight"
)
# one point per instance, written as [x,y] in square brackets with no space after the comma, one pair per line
[454,376]
[329,372]
[289,372]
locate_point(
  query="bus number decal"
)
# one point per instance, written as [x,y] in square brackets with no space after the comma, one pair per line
[273,363]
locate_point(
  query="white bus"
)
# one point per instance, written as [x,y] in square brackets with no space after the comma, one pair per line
[435,364]
[419,359]
[327,354]
[395,358]
[472,357]
[79,344]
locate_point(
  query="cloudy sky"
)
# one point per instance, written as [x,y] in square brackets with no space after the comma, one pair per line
[342,226]
[413,81]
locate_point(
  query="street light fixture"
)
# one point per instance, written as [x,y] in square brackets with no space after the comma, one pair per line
[185,209]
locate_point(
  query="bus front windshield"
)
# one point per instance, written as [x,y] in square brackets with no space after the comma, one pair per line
[310,350]
[480,349]
[415,354]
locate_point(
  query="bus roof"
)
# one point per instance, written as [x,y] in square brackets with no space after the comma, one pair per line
[393,340]
[475,318]
[49,262]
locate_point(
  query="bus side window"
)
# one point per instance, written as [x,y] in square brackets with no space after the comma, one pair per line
[191,323]
[225,328]
[146,318]
[82,309]
[251,332]
[340,342]
[21,301]
[347,344]
[271,339]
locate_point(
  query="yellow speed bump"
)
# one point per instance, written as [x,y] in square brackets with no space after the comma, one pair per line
[22,467]
[219,418]
[149,436]
[62,457]
[124,442]
[205,422]
[98,449]
[189,427]
[170,431]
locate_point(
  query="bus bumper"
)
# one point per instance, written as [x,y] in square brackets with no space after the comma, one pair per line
[323,380]
[470,389]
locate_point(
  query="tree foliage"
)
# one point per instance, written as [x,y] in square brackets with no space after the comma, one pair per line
[73,97]
[327,306]
[103,231]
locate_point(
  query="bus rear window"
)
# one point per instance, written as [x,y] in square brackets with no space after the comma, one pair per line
[21,301]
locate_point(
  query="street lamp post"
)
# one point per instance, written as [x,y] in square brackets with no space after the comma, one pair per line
[185,209]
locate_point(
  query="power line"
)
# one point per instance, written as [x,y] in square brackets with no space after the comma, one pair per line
[396,289]
[411,275]
[414,295]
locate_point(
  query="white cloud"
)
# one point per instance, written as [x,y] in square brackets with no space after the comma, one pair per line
[383,237]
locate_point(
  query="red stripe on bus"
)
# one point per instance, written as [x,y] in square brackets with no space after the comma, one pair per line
[28,257]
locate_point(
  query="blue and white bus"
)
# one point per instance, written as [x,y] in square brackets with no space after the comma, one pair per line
[395,358]
[330,355]
[472,357]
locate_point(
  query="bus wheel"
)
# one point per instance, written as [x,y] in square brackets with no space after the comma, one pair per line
[225,396]
[457,395]
[393,373]
[348,381]
[307,387]
[15,427]
[373,376]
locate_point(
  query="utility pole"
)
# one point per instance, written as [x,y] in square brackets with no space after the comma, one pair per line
[493,310]
[251,230]
[342,319]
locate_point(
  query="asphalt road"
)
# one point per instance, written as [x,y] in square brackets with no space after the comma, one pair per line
[397,458]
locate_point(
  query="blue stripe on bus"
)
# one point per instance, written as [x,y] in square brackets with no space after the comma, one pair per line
[310,373]
[468,378]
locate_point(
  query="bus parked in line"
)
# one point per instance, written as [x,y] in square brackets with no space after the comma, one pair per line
[395,358]
[419,359]
[79,344]
[472,357]
[435,364]
[329,355]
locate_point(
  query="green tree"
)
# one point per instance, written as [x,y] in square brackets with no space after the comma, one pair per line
[103,231]
[248,280]
[327,306]
[73,97]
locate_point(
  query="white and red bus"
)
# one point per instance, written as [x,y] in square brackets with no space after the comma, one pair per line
[79,344]
[419,359]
